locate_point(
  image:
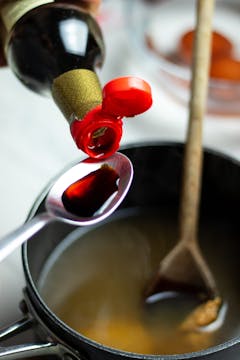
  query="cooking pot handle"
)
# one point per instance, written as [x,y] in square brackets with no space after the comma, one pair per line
[31,350]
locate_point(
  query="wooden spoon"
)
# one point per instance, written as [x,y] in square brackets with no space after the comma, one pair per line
[184,268]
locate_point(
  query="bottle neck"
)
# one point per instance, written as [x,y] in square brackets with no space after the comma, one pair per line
[77,92]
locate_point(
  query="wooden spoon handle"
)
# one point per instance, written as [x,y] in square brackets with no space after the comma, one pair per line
[192,167]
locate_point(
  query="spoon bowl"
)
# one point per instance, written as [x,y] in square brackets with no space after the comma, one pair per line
[54,204]
[55,209]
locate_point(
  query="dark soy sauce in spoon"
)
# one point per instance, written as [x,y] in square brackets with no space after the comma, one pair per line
[89,194]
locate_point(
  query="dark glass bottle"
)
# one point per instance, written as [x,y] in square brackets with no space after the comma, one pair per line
[54,48]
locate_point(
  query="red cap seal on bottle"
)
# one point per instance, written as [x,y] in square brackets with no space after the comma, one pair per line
[98,134]
[126,96]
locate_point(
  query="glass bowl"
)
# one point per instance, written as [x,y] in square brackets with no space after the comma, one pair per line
[157,29]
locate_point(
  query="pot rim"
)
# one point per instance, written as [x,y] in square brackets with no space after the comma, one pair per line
[77,336]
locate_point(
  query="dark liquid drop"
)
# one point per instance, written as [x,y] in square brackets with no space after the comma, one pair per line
[87,195]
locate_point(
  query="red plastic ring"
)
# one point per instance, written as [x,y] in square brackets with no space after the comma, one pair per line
[97,134]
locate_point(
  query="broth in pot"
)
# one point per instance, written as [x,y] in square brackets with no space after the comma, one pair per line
[94,282]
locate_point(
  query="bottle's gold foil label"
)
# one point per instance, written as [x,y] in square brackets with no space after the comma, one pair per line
[12,10]
[76,92]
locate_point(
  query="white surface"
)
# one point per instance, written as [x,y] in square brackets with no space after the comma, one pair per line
[35,143]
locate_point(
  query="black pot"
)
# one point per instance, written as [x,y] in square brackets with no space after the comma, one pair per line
[156,184]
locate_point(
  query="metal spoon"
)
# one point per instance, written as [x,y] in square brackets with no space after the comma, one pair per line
[55,210]
[184,268]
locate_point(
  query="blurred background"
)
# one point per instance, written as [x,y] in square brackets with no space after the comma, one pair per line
[143,38]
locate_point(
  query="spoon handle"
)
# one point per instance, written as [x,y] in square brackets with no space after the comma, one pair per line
[192,167]
[16,238]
